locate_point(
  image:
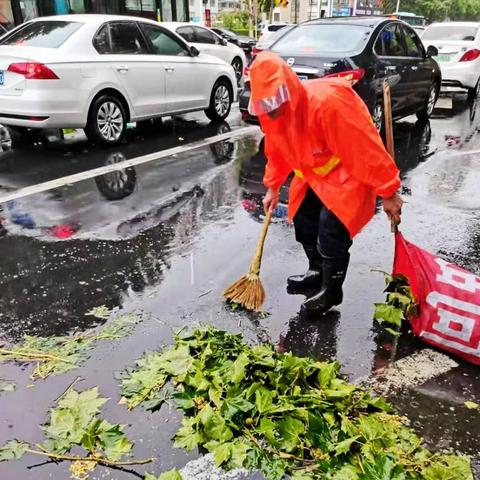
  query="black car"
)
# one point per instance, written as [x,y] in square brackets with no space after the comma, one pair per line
[366,51]
[245,43]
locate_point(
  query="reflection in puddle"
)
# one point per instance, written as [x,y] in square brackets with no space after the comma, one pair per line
[121,237]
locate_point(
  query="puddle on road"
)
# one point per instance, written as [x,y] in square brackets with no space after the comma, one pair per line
[166,238]
[30,161]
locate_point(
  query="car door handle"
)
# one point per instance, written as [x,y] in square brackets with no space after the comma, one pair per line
[169,69]
[122,68]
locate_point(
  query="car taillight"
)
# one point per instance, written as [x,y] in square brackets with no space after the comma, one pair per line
[352,76]
[470,55]
[33,71]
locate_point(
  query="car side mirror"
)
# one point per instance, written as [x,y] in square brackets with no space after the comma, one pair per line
[432,51]
[194,51]
[224,42]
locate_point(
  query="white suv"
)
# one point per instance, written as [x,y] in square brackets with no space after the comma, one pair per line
[99,72]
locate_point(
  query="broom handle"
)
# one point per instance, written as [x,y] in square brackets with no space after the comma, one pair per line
[257,257]
[387,102]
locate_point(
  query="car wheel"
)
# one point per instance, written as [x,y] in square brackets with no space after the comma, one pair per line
[474,92]
[6,139]
[430,102]
[107,121]
[378,116]
[238,68]
[118,184]
[220,101]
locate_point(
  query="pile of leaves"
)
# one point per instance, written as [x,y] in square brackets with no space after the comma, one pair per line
[399,305]
[256,408]
[74,423]
[57,355]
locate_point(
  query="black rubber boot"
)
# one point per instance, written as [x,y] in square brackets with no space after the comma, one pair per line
[312,278]
[331,294]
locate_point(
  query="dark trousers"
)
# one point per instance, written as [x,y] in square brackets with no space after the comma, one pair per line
[321,233]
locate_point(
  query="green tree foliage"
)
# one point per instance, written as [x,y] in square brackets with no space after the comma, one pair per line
[437,10]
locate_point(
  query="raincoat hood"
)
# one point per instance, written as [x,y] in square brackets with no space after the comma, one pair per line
[273,84]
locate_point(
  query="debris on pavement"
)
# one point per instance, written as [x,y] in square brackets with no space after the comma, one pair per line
[255,408]
[57,355]
[74,424]
[409,372]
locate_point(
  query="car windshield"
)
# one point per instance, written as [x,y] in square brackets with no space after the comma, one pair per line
[275,28]
[229,32]
[313,39]
[276,35]
[451,32]
[50,34]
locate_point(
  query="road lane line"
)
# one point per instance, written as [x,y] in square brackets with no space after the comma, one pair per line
[95,172]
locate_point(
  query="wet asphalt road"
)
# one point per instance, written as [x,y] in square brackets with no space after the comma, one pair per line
[167,236]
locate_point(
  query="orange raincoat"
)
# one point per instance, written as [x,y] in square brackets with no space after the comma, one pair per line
[327,138]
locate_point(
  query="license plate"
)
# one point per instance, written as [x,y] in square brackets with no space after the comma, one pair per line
[442,58]
[303,77]
[2,79]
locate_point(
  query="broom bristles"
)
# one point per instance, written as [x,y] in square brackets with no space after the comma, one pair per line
[247,291]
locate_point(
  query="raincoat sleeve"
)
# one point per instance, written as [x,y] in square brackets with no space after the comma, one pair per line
[276,170]
[352,136]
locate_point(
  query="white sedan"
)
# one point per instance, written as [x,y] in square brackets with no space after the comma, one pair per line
[209,42]
[99,72]
[458,48]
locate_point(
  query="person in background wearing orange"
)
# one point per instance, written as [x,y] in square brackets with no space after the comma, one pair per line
[321,131]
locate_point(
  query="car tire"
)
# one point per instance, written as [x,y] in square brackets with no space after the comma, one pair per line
[238,68]
[107,121]
[220,101]
[6,139]
[430,101]
[475,91]
[378,116]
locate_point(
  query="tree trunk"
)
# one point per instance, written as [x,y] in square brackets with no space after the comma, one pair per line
[250,18]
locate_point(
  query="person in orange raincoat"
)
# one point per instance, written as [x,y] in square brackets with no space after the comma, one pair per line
[321,131]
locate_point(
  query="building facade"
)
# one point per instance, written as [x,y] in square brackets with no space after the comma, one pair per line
[14,12]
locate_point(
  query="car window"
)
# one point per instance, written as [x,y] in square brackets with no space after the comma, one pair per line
[187,34]
[162,42]
[413,43]
[314,39]
[101,41]
[451,32]
[274,28]
[49,34]
[127,39]
[390,42]
[204,36]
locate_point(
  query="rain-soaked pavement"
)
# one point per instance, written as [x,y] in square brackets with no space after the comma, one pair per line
[166,237]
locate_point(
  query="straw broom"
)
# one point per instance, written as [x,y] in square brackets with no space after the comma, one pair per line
[248,291]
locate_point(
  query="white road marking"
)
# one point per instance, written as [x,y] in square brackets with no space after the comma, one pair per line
[78,177]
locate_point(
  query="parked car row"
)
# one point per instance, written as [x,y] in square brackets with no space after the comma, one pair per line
[367,51]
[247,44]
[99,72]
[209,42]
